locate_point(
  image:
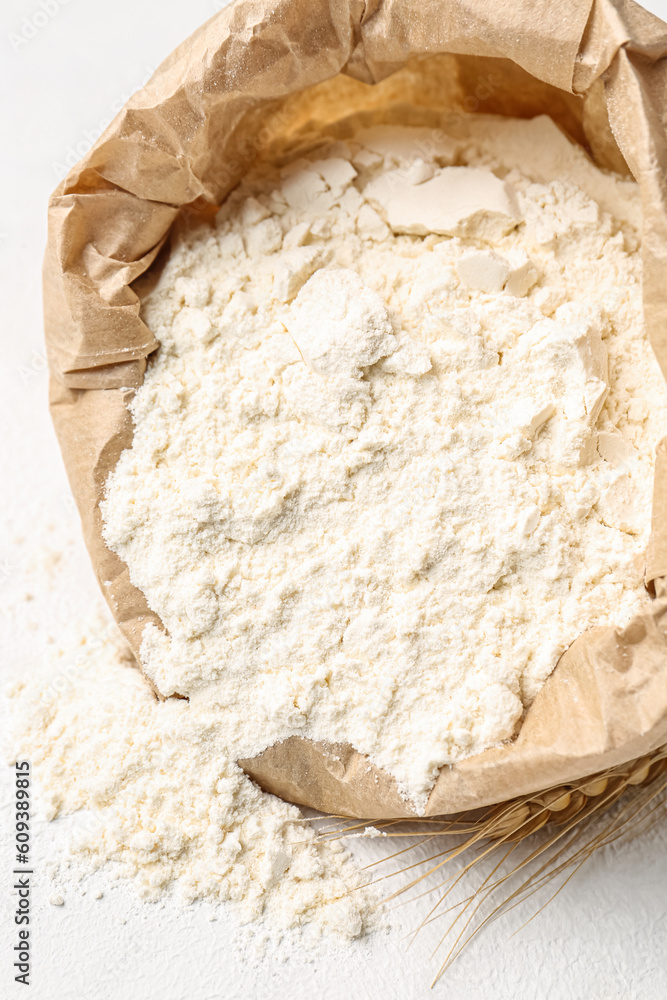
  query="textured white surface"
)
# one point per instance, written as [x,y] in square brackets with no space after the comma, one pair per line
[602,938]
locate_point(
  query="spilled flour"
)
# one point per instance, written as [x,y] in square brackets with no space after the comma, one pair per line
[395,450]
[168,809]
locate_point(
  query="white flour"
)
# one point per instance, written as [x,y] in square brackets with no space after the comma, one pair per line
[165,807]
[382,475]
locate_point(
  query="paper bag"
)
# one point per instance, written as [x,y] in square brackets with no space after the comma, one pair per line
[256,74]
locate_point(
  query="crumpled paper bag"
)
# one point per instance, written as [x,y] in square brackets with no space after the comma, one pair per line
[256,74]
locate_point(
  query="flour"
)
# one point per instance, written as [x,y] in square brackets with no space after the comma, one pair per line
[395,451]
[165,807]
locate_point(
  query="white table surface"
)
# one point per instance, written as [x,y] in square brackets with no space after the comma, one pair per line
[603,937]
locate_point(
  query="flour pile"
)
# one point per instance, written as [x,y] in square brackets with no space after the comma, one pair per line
[395,451]
[166,807]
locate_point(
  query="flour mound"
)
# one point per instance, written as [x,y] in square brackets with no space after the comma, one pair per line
[166,808]
[395,451]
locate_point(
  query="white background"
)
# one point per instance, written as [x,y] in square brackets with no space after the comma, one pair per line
[603,937]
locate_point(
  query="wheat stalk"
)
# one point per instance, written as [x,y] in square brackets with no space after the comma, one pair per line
[567,811]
